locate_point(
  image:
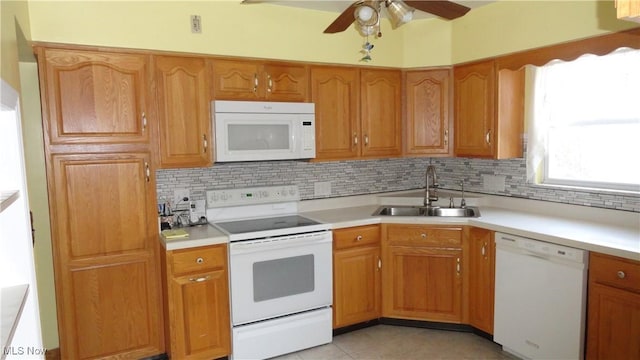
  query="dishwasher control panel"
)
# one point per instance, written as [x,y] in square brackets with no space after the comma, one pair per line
[541,248]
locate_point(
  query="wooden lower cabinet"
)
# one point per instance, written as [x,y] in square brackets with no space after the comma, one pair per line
[482,263]
[613,329]
[106,261]
[422,272]
[197,303]
[356,275]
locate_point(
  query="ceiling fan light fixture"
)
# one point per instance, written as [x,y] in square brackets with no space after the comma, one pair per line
[367,13]
[366,30]
[399,12]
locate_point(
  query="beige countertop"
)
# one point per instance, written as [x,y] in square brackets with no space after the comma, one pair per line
[606,231]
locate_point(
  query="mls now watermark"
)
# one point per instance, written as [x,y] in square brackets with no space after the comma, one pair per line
[23,351]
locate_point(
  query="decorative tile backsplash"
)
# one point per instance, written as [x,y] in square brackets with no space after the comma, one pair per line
[358,177]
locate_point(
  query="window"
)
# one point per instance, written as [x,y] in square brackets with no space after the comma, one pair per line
[584,122]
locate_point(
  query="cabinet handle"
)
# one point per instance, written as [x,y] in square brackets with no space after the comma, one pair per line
[621,274]
[483,250]
[366,139]
[269,83]
[446,137]
[205,142]
[147,171]
[200,279]
[255,82]
[458,266]
[355,139]
[199,260]
[144,121]
[487,137]
[359,238]
[423,235]
[379,263]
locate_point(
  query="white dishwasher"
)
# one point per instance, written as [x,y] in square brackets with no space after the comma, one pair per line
[540,298]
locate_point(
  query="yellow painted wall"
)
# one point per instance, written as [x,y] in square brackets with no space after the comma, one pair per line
[12,15]
[228,28]
[512,25]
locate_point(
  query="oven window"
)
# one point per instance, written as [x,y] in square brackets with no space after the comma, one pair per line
[283,277]
[258,137]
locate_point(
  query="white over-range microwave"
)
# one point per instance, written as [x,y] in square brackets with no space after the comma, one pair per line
[257,130]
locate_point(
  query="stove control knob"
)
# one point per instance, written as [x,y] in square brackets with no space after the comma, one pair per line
[292,191]
[264,194]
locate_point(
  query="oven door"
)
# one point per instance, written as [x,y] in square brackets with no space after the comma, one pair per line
[279,276]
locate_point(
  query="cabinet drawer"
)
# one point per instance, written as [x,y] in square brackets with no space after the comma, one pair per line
[198,259]
[356,236]
[614,271]
[422,235]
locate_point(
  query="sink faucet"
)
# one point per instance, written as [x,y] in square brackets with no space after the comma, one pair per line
[463,202]
[430,193]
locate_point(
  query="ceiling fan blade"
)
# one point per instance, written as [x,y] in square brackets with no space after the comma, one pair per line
[342,22]
[446,9]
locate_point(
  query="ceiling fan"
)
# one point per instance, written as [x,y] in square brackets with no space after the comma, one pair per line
[367,13]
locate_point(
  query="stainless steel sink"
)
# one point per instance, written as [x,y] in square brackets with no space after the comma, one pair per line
[469,211]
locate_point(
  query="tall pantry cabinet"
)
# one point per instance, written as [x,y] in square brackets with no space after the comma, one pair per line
[97,115]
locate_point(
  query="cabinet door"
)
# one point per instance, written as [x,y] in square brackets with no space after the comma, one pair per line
[422,283]
[183,111]
[381,112]
[481,278]
[200,316]
[104,231]
[613,327]
[286,82]
[335,91]
[428,112]
[614,323]
[474,93]
[94,97]
[356,285]
[236,80]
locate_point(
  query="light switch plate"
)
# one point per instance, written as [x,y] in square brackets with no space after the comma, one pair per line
[493,182]
[322,188]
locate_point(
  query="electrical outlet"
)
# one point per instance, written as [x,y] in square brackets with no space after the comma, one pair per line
[493,182]
[196,24]
[322,188]
[178,197]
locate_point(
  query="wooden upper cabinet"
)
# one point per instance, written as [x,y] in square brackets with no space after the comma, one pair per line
[184,118]
[253,80]
[428,103]
[286,82]
[93,97]
[381,113]
[335,92]
[489,111]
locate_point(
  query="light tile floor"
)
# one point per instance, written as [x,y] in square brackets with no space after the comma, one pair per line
[406,343]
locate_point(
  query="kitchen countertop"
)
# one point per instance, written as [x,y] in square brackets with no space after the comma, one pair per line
[605,231]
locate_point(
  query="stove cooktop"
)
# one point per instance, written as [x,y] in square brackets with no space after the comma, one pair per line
[293,222]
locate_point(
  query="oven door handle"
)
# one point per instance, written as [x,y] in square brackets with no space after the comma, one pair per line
[246,247]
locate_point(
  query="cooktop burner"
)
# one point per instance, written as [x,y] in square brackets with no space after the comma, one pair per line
[265,224]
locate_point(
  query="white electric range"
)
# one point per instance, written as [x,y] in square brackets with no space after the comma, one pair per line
[280,271]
